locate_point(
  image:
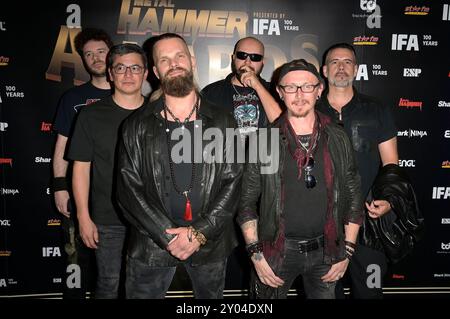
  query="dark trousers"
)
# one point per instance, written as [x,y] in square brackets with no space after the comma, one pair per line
[109,260]
[309,265]
[363,270]
[149,282]
[77,254]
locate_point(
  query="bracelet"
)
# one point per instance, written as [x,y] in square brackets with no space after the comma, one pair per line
[349,243]
[197,235]
[59,184]
[254,248]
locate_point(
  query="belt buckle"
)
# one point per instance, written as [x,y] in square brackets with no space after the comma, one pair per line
[302,247]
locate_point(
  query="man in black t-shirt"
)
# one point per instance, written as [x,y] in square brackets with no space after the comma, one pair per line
[370,126]
[92,45]
[93,149]
[243,92]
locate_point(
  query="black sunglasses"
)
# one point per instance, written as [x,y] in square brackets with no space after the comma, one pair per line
[255,57]
[310,180]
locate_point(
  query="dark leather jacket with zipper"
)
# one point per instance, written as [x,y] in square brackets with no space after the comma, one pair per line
[139,191]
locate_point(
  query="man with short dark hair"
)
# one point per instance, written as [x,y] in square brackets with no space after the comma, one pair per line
[309,210]
[371,129]
[181,211]
[93,46]
[93,150]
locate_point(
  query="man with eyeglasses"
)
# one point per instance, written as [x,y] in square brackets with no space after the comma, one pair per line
[92,45]
[93,150]
[309,210]
[244,92]
[371,128]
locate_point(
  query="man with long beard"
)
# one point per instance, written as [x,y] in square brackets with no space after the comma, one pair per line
[243,92]
[371,128]
[93,46]
[181,209]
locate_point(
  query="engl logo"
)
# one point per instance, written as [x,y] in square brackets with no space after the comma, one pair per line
[6,161]
[446,221]
[411,73]
[406,163]
[412,133]
[363,40]
[411,41]
[441,192]
[5,222]
[4,60]
[446,164]
[416,10]
[443,104]
[410,104]
[46,127]
[2,26]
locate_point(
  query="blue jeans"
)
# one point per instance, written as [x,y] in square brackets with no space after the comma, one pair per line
[309,265]
[109,260]
[149,282]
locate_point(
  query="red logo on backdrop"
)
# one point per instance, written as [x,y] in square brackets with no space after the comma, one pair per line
[396,276]
[446,164]
[363,40]
[4,60]
[410,104]
[46,127]
[416,10]
[6,161]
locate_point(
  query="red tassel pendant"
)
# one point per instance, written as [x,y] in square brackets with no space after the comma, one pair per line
[187,209]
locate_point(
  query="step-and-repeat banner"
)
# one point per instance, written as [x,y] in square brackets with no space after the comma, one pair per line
[403,51]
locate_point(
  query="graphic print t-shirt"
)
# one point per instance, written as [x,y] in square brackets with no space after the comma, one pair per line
[247,109]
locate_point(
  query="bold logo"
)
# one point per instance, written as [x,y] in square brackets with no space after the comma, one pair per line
[270,25]
[74,279]
[5,222]
[445,246]
[441,192]
[3,126]
[411,73]
[6,161]
[4,60]
[54,222]
[400,40]
[446,164]
[367,5]
[8,191]
[446,221]
[2,26]
[363,40]
[362,73]
[412,133]
[39,159]
[410,104]
[447,133]
[415,10]
[406,163]
[374,279]
[443,104]
[46,127]
[5,253]
[445,13]
[51,252]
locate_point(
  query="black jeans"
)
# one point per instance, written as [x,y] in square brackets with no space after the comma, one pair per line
[309,265]
[109,260]
[149,282]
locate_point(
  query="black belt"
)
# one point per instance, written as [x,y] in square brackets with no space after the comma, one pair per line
[304,246]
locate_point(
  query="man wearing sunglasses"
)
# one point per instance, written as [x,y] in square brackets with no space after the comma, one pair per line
[371,127]
[93,150]
[244,92]
[310,209]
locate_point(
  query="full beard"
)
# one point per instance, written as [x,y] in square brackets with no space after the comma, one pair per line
[343,83]
[178,86]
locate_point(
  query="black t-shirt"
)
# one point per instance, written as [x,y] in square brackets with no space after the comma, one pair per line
[71,103]
[304,208]
[94,140]
[367,123]
[182,171]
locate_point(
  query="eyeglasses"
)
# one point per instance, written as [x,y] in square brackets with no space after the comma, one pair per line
[255,57]
[121,69]
[305,88]
[310,180]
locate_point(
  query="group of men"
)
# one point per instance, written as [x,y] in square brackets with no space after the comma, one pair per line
[175,206]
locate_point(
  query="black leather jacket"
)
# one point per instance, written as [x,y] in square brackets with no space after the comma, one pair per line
[346,201]
[139,190]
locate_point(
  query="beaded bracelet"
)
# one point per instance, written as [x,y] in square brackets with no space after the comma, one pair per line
[198,235]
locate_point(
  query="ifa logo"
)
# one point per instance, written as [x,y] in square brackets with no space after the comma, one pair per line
[51,252]
[411,73]
[406,163]
[441,192]
[399,41]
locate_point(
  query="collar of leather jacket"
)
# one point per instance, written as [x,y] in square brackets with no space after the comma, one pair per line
[205,109]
